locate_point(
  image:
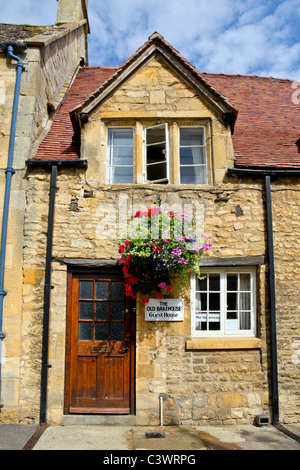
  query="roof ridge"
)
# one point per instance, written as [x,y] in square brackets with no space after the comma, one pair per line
[247,76]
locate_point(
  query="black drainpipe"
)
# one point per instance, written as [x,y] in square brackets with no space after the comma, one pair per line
[45,365]
[272,300]
[54,164]
[267,173]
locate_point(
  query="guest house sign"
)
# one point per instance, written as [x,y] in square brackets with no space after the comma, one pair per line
[164,310]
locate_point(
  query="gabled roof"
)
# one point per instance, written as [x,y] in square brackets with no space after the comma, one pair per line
[157,45]
[268,124]
[266,128]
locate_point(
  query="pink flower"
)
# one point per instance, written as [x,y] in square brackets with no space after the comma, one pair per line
[162,285]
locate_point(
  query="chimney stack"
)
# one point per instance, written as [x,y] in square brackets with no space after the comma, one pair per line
[71,11]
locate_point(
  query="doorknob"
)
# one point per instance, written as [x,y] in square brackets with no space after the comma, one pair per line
[123,350]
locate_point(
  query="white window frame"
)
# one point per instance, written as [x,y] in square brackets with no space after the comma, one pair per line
[223,332]
[145,164]
[205,148]
[108,156]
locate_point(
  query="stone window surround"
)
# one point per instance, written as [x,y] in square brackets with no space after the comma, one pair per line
[138,126]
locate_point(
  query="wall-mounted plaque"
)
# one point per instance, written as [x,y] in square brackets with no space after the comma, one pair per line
[164,310]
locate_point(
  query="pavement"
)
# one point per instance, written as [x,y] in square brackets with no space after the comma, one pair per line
[127,439]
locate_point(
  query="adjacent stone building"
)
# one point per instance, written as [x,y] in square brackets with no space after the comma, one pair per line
[222,147]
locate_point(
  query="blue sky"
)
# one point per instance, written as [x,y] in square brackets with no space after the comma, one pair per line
[220,36]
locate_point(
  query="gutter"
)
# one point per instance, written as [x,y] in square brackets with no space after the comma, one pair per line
[267,173]
[9,172]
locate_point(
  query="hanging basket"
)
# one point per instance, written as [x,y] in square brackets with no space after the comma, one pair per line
[158,246]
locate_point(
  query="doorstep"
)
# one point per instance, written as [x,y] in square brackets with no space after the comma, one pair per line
[98,420]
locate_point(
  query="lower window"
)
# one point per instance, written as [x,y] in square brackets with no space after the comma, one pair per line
[224,303]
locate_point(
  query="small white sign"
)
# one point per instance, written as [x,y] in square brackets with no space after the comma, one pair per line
[232,324]
[164,310]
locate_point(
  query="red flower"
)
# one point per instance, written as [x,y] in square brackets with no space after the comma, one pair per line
[137,214]
[169,288]
[145,301]
[121,248]
[127,243]
[159,296]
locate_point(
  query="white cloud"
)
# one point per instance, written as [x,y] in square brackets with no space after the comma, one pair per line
[223,36]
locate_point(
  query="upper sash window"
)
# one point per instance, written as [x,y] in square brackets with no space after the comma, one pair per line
[192,155]
[120,166]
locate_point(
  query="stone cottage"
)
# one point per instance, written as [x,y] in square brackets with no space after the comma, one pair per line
[224,148]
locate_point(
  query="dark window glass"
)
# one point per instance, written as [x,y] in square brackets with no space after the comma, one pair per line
[85,331]
[86,290]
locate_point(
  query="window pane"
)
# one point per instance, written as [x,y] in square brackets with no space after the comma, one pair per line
[85,310]
[203,301]
[117,311]
[191,136]
[101,332]
[157,172]
[245,282]
[155,135]
[193,174]
[121,174]
[201,284]
[232,282]
[86,289]
[85,331]
[214,321]
[214,282]
[232,321]
[245,321]
[123,137]
[192,156]
[117,332]
[117,290]
[101,311]
[214,301]
[245,301]
[121,156]
[232,301]
[102,290]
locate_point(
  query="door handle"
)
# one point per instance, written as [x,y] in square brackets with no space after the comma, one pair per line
[123,350]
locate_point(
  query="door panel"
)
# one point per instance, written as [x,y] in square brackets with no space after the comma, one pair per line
[100,346]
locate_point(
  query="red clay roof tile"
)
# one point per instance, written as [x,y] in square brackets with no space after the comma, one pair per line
[265,134]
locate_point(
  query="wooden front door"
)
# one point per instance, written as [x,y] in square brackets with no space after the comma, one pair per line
[100,345]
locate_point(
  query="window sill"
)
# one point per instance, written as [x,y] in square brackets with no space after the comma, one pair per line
[224,343]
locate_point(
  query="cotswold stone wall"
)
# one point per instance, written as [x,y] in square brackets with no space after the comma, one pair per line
[286,227]
[218,385]
[50,65]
